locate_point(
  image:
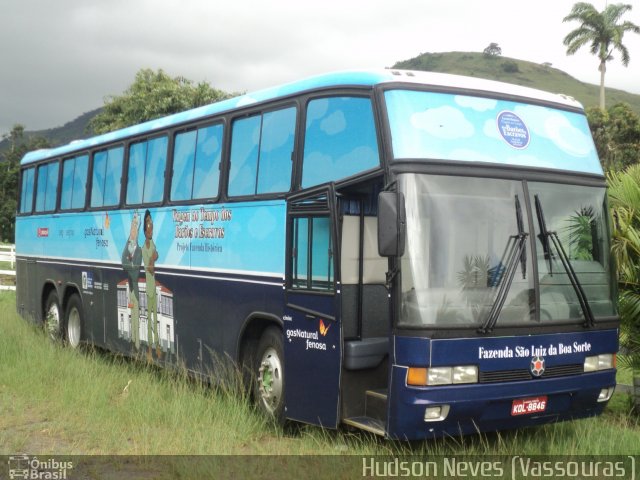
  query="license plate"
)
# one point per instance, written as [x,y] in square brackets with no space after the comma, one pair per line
[525,406]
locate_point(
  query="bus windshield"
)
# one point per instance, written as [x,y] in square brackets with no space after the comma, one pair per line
[461,233]
[445,126]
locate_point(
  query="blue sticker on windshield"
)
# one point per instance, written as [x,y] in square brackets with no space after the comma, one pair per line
[513,130]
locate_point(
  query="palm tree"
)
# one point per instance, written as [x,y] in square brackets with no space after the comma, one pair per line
[624,198]
[603,31]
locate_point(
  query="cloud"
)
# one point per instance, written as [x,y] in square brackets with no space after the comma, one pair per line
[491,130]
[555,126]
[211,146]
[319,167]
[476,103]
[334,123]
[277,129]
[567,137]
[443,122]
[62,58]
[317,109]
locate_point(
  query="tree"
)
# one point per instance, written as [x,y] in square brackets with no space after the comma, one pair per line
[9,173]
[602,31]
[493,50]
[616,133]
[624,198]
[15,136]
[510,67]
[153,95]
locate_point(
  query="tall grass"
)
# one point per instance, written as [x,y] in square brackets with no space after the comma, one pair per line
[90,402]
[55,400]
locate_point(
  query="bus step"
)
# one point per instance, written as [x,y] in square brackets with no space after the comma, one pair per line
[369,424]
[376,404]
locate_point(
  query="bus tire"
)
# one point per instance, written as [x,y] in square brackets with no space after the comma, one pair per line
[53,317]
[74,321]
[269,374]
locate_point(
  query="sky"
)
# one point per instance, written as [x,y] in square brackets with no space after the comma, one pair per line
[63,58]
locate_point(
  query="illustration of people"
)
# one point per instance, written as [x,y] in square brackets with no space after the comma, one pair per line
[131,262]
[149,256]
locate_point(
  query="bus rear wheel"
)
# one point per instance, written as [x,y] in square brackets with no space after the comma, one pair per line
[269,368]
[73,321]
[53,317]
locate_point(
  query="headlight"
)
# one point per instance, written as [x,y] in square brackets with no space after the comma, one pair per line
[465,374]
[604,361]
[423,377]
[439,376]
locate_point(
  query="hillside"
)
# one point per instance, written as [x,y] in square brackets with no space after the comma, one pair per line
[520,72]
[74,130]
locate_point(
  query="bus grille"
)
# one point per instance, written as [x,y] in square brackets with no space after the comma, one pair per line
[520,375]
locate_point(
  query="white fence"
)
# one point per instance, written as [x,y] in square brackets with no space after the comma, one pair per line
[8,255]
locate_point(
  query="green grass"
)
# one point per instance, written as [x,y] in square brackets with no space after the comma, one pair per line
[79,401]
[624,376]
[57,401]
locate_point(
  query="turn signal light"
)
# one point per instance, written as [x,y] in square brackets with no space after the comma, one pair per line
[417,376]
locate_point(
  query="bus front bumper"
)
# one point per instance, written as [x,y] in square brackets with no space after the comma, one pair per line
[473,408]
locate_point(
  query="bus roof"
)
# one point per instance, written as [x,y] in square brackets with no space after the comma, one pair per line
[364,78]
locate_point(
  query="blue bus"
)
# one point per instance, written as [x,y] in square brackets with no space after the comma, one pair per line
[407,253]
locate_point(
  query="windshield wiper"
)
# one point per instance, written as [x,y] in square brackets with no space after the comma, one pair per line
[515,250]
[523,253]
[544,237]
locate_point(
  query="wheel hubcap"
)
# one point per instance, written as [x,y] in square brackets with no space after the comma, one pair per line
[73,328]
[53,321]
[270,379]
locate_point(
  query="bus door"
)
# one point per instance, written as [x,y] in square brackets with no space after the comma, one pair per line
[312,333]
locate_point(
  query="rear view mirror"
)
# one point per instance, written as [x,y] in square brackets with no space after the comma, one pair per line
[391,224]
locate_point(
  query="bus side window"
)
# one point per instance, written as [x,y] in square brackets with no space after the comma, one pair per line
[312,257]
[340,139]
[47,187]
[276,147]
[147,161]
[107,177]
[26,194]
[74,182]
[244,156]
[196,163]
[261,150]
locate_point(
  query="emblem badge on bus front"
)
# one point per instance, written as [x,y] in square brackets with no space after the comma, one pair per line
[537,366]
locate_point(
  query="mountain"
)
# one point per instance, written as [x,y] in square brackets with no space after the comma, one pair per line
[73,130]
[520,72]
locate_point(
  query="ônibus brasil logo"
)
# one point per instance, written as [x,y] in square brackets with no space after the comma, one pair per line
[537,366]
[34,468]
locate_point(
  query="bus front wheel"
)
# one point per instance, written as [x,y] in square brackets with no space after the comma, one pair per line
[73,321]
[269,368]
[53,316]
